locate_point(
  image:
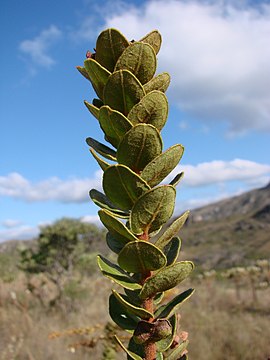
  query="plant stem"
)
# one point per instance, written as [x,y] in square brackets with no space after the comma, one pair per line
[150,351]
[148,304]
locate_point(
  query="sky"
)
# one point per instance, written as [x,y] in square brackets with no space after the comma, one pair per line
[218,56]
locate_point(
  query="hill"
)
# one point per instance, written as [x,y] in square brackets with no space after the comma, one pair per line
[230,232]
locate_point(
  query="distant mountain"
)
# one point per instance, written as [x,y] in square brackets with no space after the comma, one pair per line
[248,203]
[229,232]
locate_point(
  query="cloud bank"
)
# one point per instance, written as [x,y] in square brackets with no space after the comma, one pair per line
[14,185]
[216,172]
[218,54]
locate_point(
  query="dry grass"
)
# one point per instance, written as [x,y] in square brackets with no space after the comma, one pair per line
[219,326]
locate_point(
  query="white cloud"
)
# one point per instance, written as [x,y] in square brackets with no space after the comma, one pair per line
[10,223]
[23,232]
[93,219]
[215,172]
[72,190]
[219,172]
[16,230]
[217,52]
[38,47]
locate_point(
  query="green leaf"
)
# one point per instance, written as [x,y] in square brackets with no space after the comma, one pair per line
[115,273]
[83,72]
[152,209]
[139,146]
[153,39]
[159,356]
[115,226]
[140,59]
[102,163]
[171,250]
[164,344]
[114,124]
[135,348]
[141,256]
[121,316]
[123,186]
[116,245]
[98,75]
[132,309]
[166,278]
[162,165]
[122,91]
[131,355]
[133,296]
[110,45]
[173,306]
[177,352]
[152,109]
[103,202]
[172,230]
[93,109]
[158,298]
[97,103]
[160,82]
[101,149]
[175,181]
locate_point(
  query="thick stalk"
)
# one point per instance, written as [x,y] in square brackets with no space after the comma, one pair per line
[148,304]
[149,348]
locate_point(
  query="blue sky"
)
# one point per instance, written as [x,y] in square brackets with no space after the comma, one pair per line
[218,55]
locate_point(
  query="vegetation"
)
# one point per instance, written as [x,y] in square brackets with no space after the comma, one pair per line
[59,248]
[132,109]
[228,299]
[231,232]
[214,318]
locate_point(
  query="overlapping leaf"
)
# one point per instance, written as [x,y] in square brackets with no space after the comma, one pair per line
[103,202]
[114,124]
[154,39]
[178,351]
[141,257]
[121,316]
[172,249]
[172,307]
[122,91]
[101,149]
[132,309]
[98,75]
[131,354]
[115,226]
[102,163]
[164,344]
[162,165]
[152,109]
[140,145]
[123,186]
[110,45]
[175,181]
[82,71]
[115,273]
[92,108]
[152,209]
[140,59]
[172,230]
[166,278]
[160,82]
